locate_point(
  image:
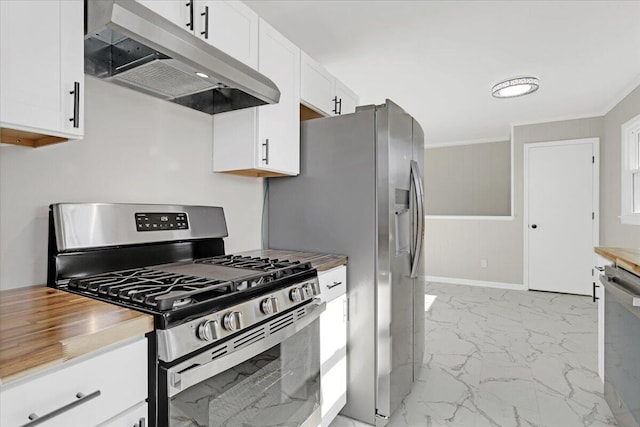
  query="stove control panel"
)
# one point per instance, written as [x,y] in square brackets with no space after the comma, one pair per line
[156,221]
[188,337]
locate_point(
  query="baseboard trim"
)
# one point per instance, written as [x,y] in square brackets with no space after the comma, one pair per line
[470,282]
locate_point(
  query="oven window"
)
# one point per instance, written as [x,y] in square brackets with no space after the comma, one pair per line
[278,387]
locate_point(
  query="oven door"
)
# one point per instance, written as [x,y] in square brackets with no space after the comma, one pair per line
[267,376]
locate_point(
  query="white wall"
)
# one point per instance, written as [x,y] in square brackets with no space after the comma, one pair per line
[137,149]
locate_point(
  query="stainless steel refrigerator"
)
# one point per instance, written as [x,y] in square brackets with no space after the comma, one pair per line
[359,193]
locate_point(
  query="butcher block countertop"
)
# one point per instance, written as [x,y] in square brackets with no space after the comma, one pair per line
[41,327]
[627,258]
[320,262]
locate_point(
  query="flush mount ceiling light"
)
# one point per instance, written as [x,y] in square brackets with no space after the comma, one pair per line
[515,87]
[203,75]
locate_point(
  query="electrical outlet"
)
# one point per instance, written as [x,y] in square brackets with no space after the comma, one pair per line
[483,263]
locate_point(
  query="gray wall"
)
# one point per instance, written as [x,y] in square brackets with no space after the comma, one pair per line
[473,180]
[612,232]
[137,149]
[454,248]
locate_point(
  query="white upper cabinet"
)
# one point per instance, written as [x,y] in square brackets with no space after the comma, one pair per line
[232,28]
[264,141]
[316,86]
[345,98]
[322,92]
[176,11]
[42,77]
[229,25]
[279,127]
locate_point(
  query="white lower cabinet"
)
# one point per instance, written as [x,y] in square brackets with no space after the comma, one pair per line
[333,343]
[599,293]
[138,416]
[85,392]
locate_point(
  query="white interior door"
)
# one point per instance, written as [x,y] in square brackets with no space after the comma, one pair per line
[561,215]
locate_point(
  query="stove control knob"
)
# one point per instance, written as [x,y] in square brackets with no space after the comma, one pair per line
[308,291]
[269,305]
[232,321]
[295,295]
[207,330]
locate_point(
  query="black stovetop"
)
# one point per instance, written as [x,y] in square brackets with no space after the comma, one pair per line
[179,292]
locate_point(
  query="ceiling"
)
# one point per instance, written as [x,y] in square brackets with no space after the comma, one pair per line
[439,59]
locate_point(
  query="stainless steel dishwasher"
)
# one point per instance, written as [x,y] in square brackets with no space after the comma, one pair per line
[622,344]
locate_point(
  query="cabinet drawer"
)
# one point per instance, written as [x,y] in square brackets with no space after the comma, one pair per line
[333,283]
[111,382]
[137,416]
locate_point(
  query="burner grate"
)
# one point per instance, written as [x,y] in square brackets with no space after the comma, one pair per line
[152,288]
[252,263]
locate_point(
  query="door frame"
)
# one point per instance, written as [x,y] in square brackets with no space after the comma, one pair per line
[595,142]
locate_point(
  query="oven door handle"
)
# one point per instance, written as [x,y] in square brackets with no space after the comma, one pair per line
[620,292]
[190,372]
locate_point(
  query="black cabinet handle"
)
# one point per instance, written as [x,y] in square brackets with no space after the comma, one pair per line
[35,419]
[595,298]
[76,105]
[205,33]
[190,6]
[335,105]
[142,422]
[340,107]
[265,144]
[534,225]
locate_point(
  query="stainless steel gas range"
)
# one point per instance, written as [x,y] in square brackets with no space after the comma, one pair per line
[236,340]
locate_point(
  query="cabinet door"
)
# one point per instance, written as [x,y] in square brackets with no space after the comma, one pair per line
[176,11]
[37,73]
[30,71]
[316,86]
[278,145]
[232,28]
[346,98]
[72,66]
[333,358]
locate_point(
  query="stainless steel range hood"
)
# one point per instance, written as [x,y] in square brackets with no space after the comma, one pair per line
[129,44]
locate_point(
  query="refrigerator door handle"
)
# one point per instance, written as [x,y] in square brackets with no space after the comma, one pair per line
[418,191]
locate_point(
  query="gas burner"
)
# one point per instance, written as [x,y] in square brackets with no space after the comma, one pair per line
[182,302]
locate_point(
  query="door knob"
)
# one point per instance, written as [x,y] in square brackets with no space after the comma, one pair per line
[534,225]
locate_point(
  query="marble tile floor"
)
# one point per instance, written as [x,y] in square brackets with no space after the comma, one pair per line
[505,358]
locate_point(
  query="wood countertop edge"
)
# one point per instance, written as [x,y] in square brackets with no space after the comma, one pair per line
[329,265]
[629,258]
[8,379]
[72,348]
[84,344]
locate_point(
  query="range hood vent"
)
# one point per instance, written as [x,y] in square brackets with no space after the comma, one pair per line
[130,45]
